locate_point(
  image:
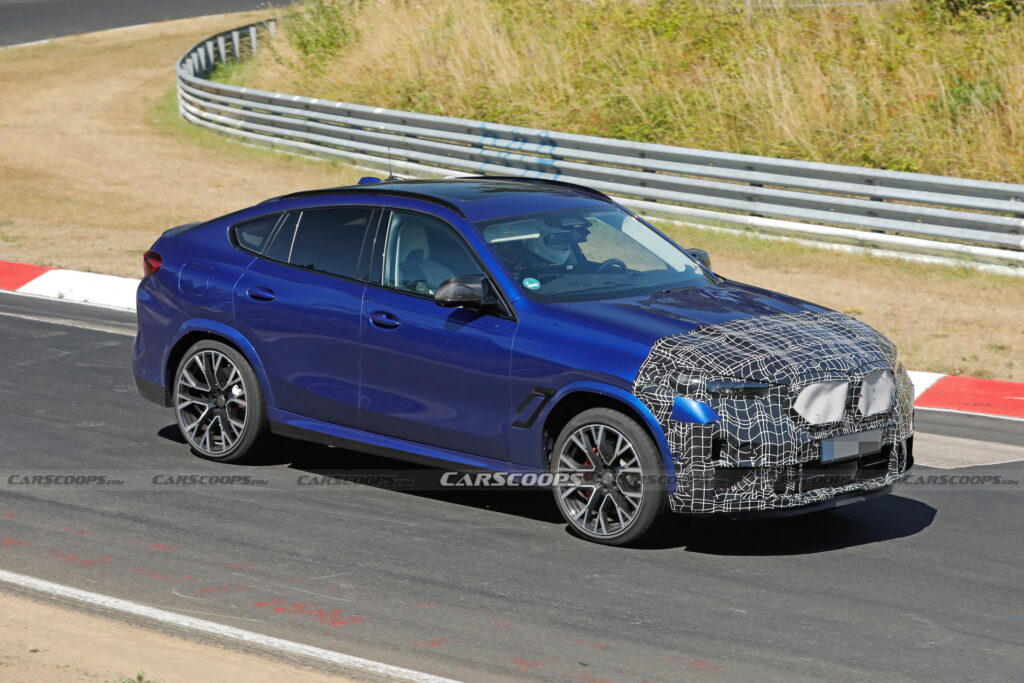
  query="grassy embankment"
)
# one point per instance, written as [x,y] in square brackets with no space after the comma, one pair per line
[95,162]
[895,87]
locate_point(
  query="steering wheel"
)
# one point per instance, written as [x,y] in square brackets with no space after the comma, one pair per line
[612,263]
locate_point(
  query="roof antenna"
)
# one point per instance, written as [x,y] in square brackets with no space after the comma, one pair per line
[391,174]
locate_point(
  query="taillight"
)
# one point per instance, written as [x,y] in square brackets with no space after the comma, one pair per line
[151,262]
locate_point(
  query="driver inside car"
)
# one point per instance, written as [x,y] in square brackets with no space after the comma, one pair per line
[548,248]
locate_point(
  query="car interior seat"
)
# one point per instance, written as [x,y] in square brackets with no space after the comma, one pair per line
[413,259]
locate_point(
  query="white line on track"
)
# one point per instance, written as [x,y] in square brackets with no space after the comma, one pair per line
[964,412]
[85,325]
[953,452]
[288,647]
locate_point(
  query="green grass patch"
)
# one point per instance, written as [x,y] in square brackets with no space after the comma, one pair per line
[934,86]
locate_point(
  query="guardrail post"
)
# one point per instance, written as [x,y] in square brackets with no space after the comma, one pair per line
[222,48]
[209,51]
[272,27]
[234,41]
[252,39]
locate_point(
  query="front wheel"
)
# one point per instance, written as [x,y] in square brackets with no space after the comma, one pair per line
[609,483]
[218,403]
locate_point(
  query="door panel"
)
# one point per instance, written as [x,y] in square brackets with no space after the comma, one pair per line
[438,376]
[434,375]
[304,319]
[305,328]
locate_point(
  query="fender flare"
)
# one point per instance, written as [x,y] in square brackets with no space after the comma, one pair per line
[648,420]
[237,339]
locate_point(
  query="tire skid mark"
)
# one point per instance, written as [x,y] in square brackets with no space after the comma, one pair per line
[81,561]
[436,642]
[163,548]
[593,645]
[162,577]
[222,589]
[698,664]
[327,617]
[526,664]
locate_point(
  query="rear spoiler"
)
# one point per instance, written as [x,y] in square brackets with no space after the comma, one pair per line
[181,228]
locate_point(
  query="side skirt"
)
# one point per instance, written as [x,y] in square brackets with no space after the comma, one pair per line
[295,426]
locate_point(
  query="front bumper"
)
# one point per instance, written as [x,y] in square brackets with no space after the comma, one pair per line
[761,454]
[789,489]
[830,504]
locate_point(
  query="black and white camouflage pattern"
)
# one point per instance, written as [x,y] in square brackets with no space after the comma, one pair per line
[787,351]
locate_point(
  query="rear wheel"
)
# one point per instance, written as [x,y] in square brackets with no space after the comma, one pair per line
[218,403]
[609,482]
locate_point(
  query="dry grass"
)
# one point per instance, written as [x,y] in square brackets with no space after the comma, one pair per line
[94,163]
[93,167]
[890,86]
[943,319]
[40,641]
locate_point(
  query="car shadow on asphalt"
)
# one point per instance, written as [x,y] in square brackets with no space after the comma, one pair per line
[876,520]
[884,518]
[345,466]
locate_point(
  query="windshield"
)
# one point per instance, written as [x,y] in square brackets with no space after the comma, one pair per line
[587,254]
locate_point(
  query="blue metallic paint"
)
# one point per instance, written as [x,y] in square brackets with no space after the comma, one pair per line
[694,412]
[307,336]
[447,383]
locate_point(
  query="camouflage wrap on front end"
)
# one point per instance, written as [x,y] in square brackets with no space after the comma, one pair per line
[761,454]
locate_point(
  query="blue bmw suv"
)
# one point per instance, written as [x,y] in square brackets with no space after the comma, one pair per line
[518,326]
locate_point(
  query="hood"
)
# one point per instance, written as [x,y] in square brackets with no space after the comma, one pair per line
[739,331]
[648,318]
[778,349]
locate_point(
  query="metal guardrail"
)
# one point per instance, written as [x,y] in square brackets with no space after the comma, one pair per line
[955,217]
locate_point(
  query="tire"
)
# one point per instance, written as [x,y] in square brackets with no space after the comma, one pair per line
[629,478]
[225,420]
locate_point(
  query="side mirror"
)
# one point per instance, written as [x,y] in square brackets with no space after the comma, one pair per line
[701,256]
[468,291]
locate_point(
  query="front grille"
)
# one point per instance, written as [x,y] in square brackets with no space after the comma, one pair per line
[814,476]
[795,479]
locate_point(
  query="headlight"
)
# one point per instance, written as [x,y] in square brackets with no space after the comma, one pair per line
[822,402]
[876,392]
[730,388]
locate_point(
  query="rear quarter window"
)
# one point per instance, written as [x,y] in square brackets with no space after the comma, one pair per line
[253,235]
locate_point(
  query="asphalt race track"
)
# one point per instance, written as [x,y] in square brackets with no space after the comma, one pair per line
[921,584]
[23,21]
[924,584]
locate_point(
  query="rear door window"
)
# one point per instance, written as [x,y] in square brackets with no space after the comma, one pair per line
[330,240]
[326,240]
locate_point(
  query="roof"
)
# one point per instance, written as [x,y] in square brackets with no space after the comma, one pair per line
[478,198]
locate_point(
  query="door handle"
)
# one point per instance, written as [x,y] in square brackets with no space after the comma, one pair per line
[260,293]
[384,320]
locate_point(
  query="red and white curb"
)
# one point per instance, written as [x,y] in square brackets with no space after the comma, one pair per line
[932,390]
[70,285]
